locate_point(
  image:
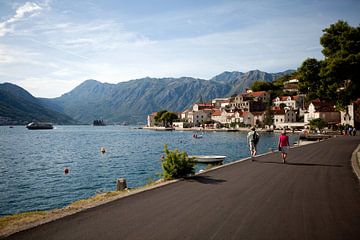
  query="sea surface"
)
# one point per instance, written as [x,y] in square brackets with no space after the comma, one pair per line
[32,162]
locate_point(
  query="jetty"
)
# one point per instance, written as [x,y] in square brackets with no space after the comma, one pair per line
[316,195]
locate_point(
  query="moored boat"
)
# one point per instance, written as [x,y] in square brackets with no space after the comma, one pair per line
[39,126]
[208,159]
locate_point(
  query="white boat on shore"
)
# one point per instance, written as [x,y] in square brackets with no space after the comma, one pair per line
[208,159]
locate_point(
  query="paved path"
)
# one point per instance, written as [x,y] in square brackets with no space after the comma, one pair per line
[315,196]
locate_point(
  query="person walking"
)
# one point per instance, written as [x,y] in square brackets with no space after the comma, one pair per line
[253,139]
[283,145]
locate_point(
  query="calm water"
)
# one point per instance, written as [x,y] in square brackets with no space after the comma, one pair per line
[32,162]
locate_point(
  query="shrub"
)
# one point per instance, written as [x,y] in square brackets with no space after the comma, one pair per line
[176,164]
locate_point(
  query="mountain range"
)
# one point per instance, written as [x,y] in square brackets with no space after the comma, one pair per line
[129,101]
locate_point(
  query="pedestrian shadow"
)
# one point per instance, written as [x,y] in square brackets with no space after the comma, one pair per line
[205,180]
[314,164]
[301,164]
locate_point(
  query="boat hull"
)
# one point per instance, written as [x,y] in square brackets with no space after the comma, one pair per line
[208,159]
[39,126]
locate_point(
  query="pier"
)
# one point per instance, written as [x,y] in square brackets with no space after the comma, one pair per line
[316,195]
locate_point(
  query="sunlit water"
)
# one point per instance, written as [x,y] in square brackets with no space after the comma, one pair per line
[32,163]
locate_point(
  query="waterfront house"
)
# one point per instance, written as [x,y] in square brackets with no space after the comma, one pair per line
[279,117]
[258,118]
[290,116]
[151,119]
[237,117]
[291,102]
[291,86]
[248,118]
[202,106]
[200,116]
[220,102]
[351,115]
[324,110]
[250,101]
[185,115]
[222,116]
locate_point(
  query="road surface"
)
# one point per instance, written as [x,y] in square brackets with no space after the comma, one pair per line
[315,196]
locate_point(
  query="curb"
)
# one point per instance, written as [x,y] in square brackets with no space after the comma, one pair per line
[355,161]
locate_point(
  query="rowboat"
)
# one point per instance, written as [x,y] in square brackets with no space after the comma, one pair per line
[208,159]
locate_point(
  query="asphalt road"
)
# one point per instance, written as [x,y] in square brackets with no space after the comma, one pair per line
[315,196]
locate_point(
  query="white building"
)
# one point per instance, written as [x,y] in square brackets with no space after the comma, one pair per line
[291,102]
[325,111]
[279,117]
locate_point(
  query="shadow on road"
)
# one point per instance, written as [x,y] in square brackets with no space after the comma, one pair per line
[205,180]
[301,164]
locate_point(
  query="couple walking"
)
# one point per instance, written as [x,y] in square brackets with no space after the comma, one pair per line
[283,143]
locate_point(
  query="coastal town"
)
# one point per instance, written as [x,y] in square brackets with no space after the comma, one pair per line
[289,111]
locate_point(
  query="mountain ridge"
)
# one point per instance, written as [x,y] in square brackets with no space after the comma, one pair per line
[133,100]
[18,106]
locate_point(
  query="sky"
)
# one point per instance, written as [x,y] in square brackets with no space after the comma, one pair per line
[49,47]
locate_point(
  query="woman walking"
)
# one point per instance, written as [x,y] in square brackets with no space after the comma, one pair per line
[283,145]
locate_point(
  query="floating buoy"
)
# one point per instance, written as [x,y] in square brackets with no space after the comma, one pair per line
[66,170]
[102,150]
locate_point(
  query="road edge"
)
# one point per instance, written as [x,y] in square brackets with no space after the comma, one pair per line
[355,161]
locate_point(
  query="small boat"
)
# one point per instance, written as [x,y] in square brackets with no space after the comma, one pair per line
[39,126]
[99,122]
[208,159]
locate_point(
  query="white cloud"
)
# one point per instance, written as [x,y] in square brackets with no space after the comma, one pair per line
[26,10]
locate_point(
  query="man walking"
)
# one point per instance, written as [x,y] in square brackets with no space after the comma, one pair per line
[252,139]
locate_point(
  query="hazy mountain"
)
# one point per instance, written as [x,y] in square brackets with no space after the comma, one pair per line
[133,100]
[17,106]
[128,101]
[240,81]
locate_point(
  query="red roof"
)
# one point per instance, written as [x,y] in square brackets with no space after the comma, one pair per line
[279,112]
[257,113]
[255,94]
[216,112]
[204,105]
[284,98]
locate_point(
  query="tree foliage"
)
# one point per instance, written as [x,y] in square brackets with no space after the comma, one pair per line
[317,123]
[262,86]
[269,117]
[337,77]
[177,164]
[165,118]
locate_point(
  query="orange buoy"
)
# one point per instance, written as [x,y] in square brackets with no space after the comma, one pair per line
[66,170]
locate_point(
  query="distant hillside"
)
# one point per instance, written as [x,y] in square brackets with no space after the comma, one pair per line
[133,100]
[17,106]
[240,81]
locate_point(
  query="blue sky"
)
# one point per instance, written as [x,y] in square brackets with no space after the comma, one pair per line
[49,47]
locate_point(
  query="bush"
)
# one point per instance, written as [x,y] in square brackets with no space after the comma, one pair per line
[176,164]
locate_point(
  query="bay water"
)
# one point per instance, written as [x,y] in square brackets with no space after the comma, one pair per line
[32,162]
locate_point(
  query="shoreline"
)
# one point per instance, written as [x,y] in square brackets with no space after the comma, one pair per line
[11,224]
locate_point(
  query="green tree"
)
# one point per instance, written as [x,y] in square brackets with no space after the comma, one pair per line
[309,78]
[176,164]
[165,118]
[336,78]
[158,116]
[340,72]
[317,123]
[262,86]
[269,117]
[168,118]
